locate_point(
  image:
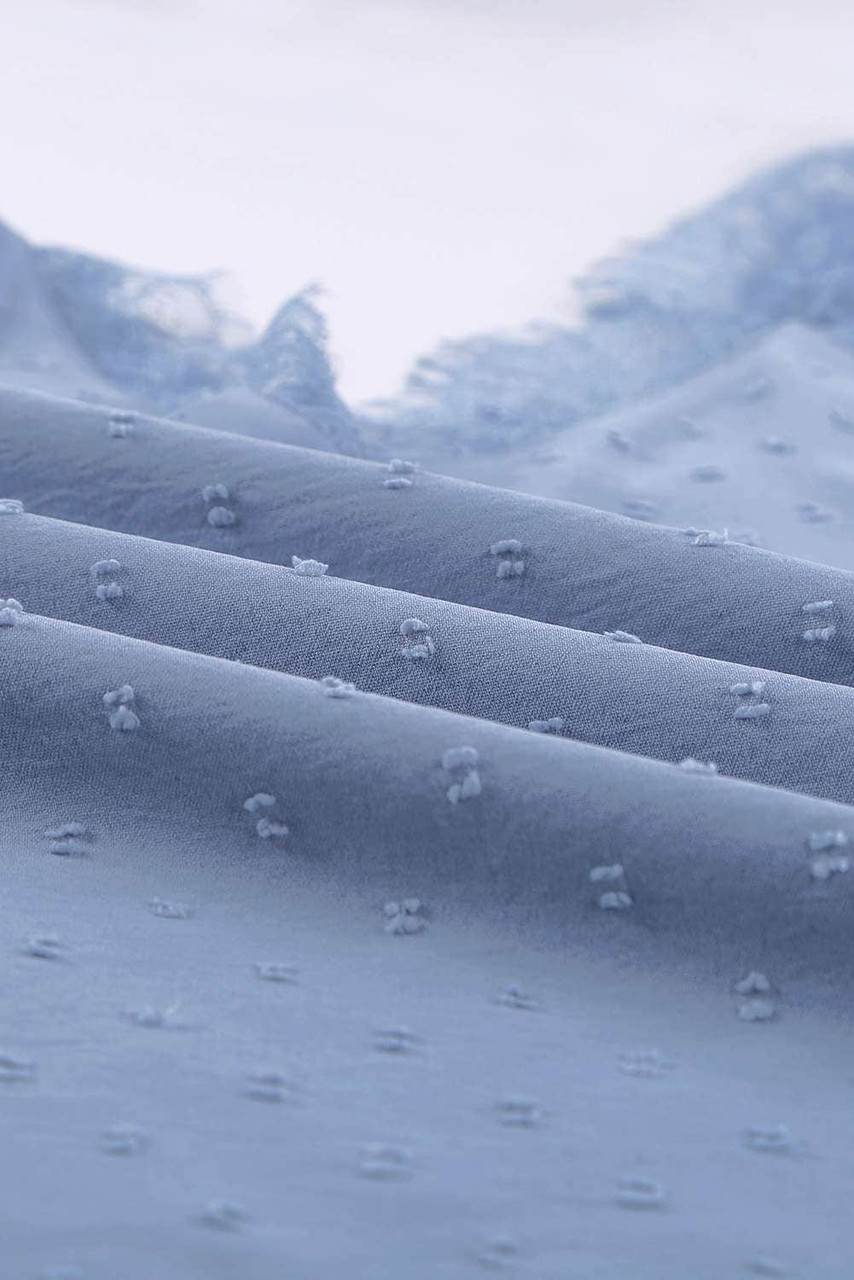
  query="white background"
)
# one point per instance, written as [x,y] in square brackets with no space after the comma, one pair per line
[442,167]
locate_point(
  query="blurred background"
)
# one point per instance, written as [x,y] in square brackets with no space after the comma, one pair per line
[443,166]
